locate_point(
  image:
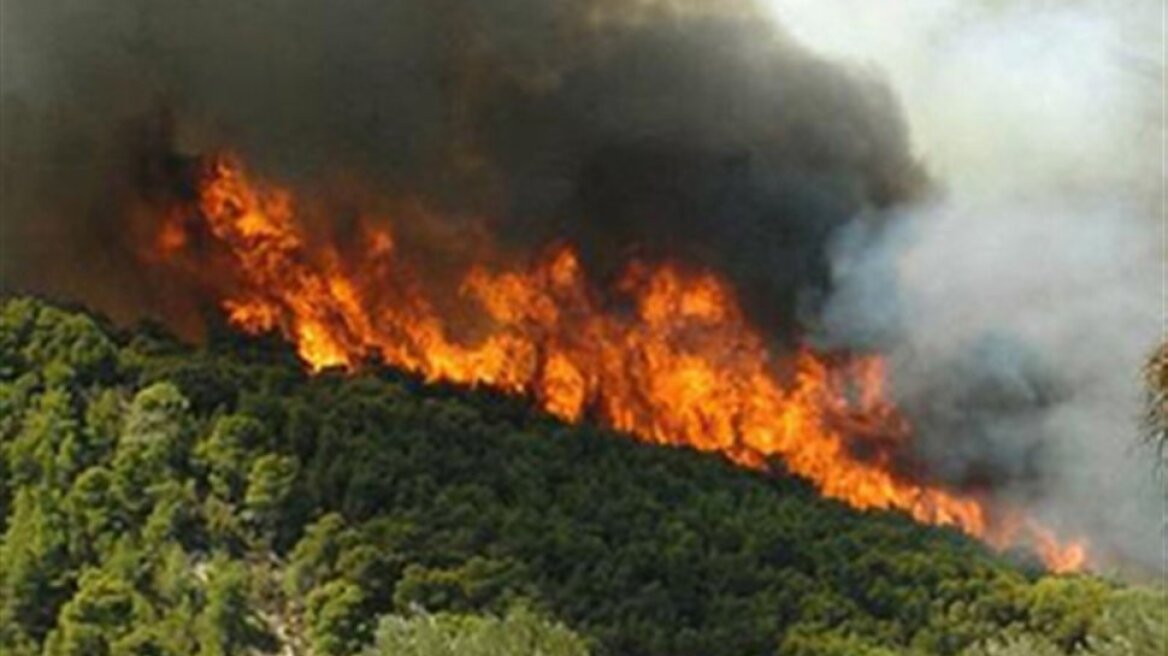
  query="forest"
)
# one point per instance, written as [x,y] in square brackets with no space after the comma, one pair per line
[158,498]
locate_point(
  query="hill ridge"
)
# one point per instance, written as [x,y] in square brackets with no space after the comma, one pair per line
[311,506]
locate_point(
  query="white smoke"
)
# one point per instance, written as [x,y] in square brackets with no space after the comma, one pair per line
[1020,301]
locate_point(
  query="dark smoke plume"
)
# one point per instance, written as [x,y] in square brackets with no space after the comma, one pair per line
[636,130]
[689,130]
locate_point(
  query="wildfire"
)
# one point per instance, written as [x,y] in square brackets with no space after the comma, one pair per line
[679,366]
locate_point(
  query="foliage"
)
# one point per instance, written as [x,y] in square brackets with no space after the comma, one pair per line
[158,499]
[1156,418]
[337,624]
[518,633]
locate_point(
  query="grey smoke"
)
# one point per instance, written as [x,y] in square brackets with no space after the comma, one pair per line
[1018,302]
[1015,297]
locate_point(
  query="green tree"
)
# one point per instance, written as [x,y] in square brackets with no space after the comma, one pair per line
[1134,621]
[476,584]
[104,609]
[227,624]
[48,449]
[228,453]
[1065,609]
[96,518]
[519,633]
[270,485]
[337,624]
[68,344]
[35,570]
[313,560]
[153,446]
[1023,645]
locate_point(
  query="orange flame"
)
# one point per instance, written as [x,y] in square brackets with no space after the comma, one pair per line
[681,366]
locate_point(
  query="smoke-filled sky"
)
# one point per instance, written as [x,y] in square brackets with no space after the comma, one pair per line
[642,129]
[971,187]
[1020,299]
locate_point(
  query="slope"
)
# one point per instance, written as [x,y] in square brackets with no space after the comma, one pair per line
[159,498]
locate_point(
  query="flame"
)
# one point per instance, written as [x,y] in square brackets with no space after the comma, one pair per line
[1059,558]
[679,366]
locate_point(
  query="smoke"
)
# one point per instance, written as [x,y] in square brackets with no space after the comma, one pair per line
[1019,301]
[1015,295]
[681,131]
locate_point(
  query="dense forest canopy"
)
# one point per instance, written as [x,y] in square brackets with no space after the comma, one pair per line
[157,498]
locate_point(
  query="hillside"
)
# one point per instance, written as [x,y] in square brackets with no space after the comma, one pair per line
[158,498]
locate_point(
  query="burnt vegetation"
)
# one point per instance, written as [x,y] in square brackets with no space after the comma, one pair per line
[161,499]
